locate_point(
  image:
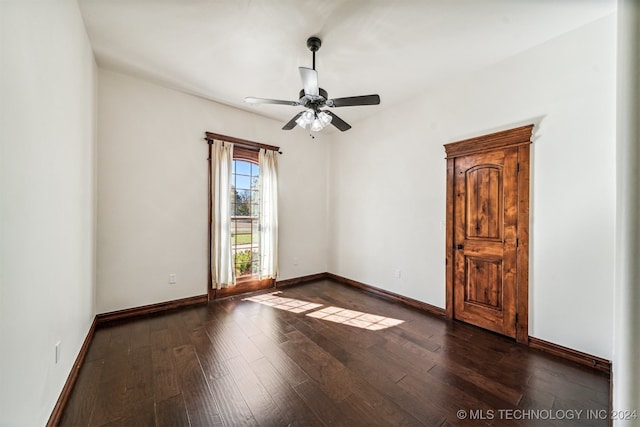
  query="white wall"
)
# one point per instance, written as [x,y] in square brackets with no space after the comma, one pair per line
[387,188]
[626,339]
[152,190]
[47,202]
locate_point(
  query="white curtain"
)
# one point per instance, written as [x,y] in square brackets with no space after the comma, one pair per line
[268,214]
[222,270]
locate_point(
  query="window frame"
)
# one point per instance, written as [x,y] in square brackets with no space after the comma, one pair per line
[243,154]
[248,151]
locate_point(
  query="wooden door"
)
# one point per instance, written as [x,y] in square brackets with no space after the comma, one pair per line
[484,279]
[486,214]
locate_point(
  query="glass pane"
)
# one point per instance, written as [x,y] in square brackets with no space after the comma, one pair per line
[255,238]
[242,182]
[243,226]
[242,167]
[243,202]
[243,241]
[243,194]
[237,209]
[243,262]
[233,232]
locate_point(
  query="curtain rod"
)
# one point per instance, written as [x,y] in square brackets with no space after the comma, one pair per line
[210,136]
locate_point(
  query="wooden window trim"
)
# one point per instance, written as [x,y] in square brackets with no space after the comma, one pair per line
[240,143]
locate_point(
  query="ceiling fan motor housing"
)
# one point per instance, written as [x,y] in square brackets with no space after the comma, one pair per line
[315,102]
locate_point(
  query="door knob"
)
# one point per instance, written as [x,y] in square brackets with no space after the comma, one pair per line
[459,246]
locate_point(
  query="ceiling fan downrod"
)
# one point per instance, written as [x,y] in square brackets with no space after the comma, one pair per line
[314,43]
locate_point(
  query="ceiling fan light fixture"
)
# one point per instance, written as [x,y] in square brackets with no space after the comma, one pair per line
[301,122]
[306,118]
[316,120]
[316,126]
[324,118]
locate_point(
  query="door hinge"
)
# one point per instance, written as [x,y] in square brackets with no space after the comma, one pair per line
[517,167]
[516,318]
[517,242]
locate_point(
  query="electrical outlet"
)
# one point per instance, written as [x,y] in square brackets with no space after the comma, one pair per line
[172,278]
[57,359]
[398,273]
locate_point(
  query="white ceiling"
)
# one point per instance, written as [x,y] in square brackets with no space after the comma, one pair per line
[225,50]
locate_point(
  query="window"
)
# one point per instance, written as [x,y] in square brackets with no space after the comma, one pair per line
[245,208]
[243,215]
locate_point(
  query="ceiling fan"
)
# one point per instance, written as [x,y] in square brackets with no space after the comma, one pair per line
[313,98]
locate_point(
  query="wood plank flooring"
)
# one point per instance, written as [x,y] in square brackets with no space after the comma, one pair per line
[323,354]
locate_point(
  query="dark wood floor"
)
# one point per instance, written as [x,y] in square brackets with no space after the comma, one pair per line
[242,362]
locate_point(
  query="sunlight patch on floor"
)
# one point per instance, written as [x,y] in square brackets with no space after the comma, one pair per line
[358,319]
[282,303]
[355,318]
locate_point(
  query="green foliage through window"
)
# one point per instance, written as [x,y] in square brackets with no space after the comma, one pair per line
[244,218]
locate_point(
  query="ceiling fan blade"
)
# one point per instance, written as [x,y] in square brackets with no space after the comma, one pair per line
[292,123]
[338,122]
[354,100]
[309,81]
[252,100]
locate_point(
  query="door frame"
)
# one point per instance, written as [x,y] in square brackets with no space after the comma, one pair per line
[520,138]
